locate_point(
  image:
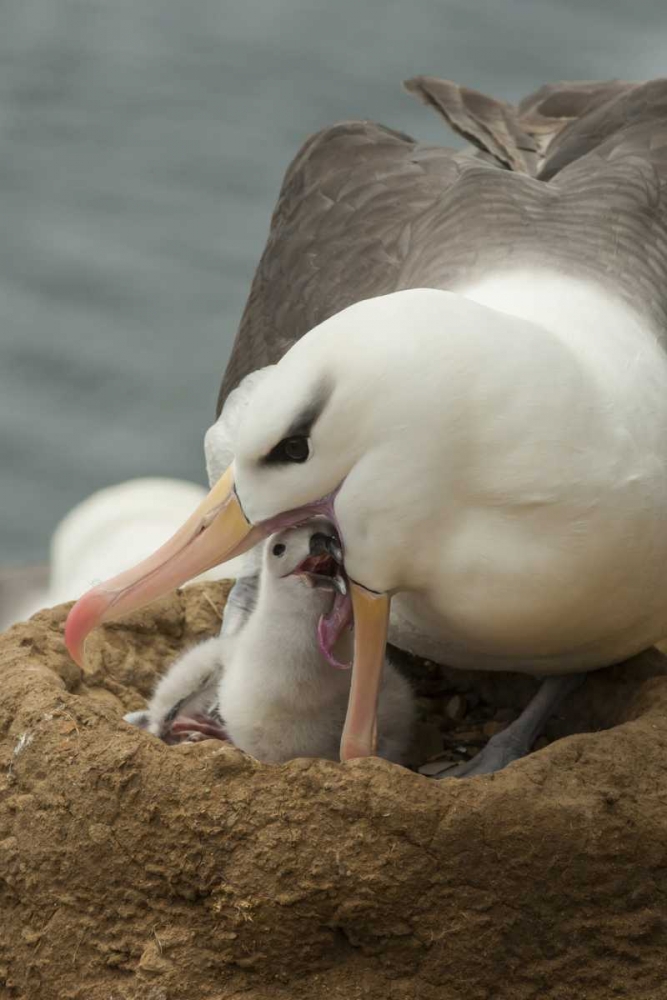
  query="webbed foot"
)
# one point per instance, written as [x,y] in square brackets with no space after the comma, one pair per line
[193,729]
[501,750]
[517,740]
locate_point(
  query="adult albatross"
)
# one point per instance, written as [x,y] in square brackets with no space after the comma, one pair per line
[469,377]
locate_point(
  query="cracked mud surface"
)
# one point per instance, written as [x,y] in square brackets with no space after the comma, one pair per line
[130,870]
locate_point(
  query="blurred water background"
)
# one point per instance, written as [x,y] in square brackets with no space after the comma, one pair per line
[142,144]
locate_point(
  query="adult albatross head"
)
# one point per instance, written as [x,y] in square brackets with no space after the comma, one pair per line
[349,424]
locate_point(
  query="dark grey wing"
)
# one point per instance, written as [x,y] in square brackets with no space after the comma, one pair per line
[341,228]
[364,211]
[547,112]
[610,170]
[597,208]
[340,233]
[491,125]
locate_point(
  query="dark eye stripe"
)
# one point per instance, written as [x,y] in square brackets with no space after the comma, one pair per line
[299,430]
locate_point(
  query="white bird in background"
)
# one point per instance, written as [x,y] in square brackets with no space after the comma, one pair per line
[99,537]
[264,683]
[470,381]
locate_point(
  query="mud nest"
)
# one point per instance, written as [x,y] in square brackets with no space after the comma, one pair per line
[130,869]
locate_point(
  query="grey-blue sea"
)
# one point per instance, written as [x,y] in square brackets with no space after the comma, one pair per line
[142,145]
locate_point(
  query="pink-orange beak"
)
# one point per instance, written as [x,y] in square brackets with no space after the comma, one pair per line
[218,530]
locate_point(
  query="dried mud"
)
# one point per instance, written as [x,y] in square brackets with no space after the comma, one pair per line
[132,870]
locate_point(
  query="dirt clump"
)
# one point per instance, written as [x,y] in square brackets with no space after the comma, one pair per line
[130,870]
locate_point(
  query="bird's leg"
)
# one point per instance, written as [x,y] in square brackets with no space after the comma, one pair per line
[517,740]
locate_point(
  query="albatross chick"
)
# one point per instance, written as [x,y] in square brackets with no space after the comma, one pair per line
[268,686]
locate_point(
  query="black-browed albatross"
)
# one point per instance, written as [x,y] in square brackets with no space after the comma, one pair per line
[468,375]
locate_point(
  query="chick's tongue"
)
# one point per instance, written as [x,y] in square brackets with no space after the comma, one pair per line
[331,626]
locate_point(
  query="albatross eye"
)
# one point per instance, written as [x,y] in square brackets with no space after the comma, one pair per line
[290,449]
[296,448]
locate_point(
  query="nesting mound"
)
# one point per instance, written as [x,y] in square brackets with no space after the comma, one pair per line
[130,869]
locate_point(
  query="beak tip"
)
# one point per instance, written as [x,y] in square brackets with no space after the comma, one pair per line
[73,642]
[87,613]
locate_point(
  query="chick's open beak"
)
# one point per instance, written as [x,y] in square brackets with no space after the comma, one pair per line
[217,530]
[371,623]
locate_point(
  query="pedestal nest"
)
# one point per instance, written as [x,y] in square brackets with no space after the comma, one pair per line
[129,869]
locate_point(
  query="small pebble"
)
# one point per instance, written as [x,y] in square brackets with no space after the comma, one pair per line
[431,768]
[456,708]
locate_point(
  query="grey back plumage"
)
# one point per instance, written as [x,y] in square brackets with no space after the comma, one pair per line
[571,179]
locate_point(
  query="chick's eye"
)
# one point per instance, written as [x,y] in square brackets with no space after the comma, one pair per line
[290,449]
